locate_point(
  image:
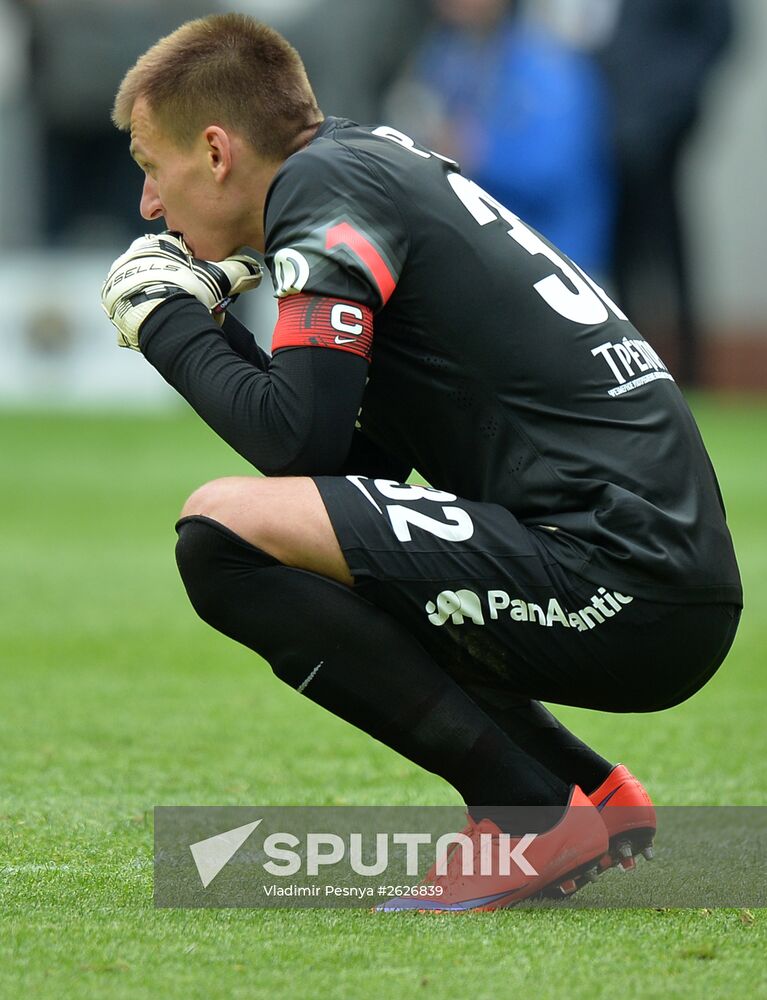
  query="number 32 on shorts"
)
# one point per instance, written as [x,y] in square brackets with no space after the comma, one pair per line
[455,525]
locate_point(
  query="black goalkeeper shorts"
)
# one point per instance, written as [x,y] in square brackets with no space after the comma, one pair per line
[485,596]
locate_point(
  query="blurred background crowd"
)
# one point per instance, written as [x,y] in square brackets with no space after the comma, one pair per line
[632,133]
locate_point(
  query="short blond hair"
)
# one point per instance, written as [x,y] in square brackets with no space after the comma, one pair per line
[225,69]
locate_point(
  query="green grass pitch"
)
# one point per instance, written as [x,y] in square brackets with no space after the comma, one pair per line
[115,698]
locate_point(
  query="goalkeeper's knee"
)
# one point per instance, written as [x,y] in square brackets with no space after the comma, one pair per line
[254,599]
[217,566]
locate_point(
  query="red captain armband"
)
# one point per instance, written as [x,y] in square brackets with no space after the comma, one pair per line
[321,321]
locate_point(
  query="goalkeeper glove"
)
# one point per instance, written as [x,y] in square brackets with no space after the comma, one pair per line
[154,268]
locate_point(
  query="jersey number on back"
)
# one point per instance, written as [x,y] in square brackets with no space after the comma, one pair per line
[583,302]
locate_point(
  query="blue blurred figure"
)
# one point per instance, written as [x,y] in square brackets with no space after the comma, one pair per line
[658,57]
[658,61]
[526,116]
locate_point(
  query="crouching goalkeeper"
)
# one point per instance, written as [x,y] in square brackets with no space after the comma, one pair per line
[572,547]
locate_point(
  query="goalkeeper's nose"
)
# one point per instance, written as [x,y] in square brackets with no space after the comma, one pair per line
[151,207]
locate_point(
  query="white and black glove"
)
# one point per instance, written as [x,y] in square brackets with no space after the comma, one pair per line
[156,267]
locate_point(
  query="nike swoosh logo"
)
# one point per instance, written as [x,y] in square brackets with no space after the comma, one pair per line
[301,687]
[607,798]
[345,340]
[355,481]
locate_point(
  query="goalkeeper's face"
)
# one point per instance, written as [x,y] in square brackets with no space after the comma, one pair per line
[212,192]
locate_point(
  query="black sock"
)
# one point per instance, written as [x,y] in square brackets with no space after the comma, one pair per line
[542,736]
[358,662]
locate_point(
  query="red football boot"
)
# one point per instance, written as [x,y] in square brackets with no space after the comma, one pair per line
[629,816]
[500,871]
[468,831]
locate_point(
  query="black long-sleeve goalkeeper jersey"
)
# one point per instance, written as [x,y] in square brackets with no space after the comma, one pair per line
[499,370]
